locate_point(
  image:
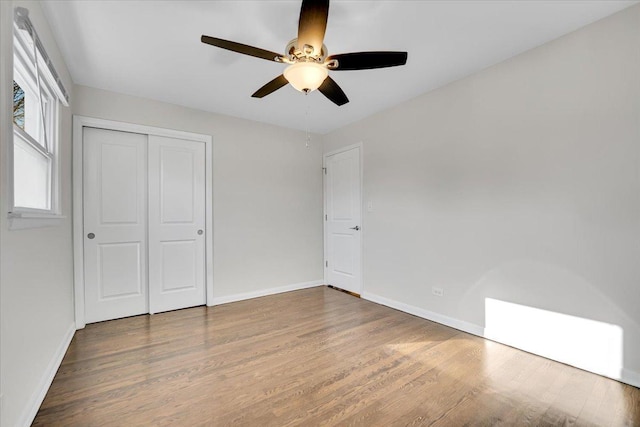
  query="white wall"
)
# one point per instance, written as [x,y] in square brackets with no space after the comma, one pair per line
[521,184]
[267,191]
[36,287]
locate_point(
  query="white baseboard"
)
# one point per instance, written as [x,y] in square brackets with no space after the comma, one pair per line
[630,377]
[627,376]
[426,314]
[38,395]
[265,292]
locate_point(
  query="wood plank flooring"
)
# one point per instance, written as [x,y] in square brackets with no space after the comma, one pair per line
[316,357]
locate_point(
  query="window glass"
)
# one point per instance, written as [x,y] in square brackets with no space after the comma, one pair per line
[26,87]
[18,105]
[31,176]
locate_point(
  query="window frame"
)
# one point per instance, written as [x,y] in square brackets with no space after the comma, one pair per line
[24,65]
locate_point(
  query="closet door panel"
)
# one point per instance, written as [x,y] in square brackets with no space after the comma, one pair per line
[115,224]
[176,223]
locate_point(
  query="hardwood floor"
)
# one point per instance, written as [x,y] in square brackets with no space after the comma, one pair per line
[316,357]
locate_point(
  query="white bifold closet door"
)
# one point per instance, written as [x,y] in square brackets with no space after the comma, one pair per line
[144,218]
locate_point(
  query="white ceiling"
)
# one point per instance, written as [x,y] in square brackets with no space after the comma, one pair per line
[152,49]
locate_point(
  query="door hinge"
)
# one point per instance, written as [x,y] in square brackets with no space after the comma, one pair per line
[326,263]
[325,170]
[325,217]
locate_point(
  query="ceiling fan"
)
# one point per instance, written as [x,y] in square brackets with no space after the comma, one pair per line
[308,58]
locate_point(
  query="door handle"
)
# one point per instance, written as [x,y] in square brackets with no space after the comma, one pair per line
[90,236]
[200,232]
[355,228]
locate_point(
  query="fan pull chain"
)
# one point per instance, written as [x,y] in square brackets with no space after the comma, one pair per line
[307,121]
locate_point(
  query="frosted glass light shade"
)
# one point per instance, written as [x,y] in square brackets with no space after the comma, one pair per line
[306,76]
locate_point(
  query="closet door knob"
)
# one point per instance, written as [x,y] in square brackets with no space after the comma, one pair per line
[200,232]
[91,236]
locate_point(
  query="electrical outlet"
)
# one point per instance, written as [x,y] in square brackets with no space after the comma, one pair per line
[437,291]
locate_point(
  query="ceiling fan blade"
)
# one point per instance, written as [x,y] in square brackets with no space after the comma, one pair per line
[240,48]
[331,90]
[368,60]
[271,87]
[313,23]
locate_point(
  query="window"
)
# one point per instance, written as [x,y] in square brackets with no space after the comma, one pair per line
[37,94]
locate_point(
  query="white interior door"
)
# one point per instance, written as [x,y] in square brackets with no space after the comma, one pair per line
[115,224]
[176,223]
[343,204]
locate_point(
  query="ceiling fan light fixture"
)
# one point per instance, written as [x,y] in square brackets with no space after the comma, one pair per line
[308,57]
[306,76]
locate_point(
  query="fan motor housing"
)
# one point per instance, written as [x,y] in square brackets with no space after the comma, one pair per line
[297,53]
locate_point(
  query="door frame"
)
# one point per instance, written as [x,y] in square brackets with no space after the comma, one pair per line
[79,123]
[324,208]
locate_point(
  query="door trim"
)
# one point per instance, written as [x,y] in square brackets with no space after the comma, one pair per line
[80,122]
[362,211]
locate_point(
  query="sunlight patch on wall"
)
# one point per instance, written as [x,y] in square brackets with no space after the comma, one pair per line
[588,344]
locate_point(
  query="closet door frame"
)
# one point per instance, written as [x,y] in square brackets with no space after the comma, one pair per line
[79,123]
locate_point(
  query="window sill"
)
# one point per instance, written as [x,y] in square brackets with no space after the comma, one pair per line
[23,220]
